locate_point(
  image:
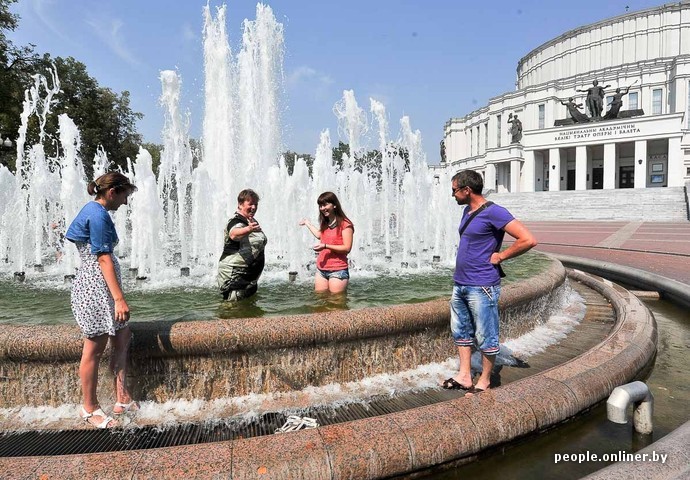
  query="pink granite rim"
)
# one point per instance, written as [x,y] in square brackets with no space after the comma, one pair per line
[204,337]
[408,441]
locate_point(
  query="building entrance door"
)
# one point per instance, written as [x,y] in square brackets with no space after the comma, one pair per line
[626,176]
[570,184]
[597,178]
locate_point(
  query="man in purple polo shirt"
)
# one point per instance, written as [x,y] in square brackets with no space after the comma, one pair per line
[474,303]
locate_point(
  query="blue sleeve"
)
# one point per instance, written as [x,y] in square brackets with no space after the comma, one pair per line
[102,236]
[500,217]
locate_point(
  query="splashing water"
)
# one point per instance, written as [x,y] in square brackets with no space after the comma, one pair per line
[176,218]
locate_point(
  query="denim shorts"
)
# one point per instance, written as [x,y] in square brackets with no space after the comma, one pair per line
[338,274]
[474,317]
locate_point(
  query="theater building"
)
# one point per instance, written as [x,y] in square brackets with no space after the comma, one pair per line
[647,146]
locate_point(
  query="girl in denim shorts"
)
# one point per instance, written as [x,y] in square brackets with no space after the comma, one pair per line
[335,234]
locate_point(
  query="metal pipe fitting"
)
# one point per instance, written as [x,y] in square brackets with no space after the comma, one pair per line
[642,399]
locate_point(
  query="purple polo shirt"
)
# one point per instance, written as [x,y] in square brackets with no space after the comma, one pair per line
[479,240]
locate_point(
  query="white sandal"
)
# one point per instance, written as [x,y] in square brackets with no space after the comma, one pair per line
[132,406]
[96,413]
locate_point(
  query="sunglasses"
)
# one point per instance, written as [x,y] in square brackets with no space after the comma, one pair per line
[455,190]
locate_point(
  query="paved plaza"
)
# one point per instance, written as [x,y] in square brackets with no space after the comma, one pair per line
[660,248]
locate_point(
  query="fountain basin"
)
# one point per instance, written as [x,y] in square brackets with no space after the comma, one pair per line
[229,357]
[410,441]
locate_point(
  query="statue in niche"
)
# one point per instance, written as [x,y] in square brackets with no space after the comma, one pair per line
[515,128]
[617,102]
[443,151]
[595,98]
[574,111]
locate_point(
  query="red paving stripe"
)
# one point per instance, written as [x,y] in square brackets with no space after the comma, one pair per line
[590,238]
[673,267]
[665,233]
[655,239]
[662,248]
[659,245]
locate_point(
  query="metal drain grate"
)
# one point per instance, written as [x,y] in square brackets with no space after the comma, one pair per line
[69,442]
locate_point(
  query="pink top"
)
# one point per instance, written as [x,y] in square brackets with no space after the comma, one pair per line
[328,260]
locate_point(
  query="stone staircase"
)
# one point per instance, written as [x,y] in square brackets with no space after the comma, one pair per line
[642,205]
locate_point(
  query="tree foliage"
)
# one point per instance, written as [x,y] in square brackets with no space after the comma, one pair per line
[16,66]
[104,118]
[370,161]
[289,157]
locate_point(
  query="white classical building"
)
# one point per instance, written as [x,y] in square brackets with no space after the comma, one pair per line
[649,50]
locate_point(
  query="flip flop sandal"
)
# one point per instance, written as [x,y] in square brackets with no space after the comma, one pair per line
[476,391]
[452,384]
[96,413]
[132,406]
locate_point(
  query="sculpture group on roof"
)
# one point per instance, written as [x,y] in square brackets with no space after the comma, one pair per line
[595,103]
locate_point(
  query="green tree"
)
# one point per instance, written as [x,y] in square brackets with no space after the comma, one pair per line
[290,156]
[155,150]
[16,68]
[103,117]
[338,152]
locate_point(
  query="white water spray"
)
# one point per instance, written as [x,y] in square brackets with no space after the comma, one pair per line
[402,214]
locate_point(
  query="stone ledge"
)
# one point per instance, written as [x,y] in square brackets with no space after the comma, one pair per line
[427,436]
[191,360]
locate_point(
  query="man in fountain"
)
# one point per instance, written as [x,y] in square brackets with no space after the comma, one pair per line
[474,303]
[242,261]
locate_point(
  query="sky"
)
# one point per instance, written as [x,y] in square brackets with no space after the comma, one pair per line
[428,59]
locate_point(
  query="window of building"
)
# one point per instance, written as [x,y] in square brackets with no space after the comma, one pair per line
[499,127]
[632,101]
[542,115]
[471,141]
[656,101]
[486,136]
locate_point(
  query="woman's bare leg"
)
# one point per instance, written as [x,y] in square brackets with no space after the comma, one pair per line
[88,374]
[335,285]
[320,283]
[118,365]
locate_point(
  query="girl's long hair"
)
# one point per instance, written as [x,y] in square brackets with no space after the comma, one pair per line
[330,197]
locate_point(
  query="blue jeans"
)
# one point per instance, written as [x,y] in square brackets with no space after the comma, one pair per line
[474,317]
[339,274]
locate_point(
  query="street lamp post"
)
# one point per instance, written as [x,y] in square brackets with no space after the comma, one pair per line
[5,146]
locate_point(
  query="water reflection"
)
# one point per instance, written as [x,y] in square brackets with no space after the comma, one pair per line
[41,300]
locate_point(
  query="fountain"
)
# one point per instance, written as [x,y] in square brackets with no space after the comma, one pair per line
[174,224]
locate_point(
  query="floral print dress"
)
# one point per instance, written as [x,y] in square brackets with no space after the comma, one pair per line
[92,304]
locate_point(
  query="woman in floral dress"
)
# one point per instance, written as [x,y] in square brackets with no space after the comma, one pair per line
[98,303]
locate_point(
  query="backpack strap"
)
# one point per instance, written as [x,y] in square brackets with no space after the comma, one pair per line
[474,214]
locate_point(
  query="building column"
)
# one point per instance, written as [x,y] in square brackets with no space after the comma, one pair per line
[528,172]
[554,173]
[609,166]
[515,176]
[641,164]
[676,169]
[490,176]
[581,167]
